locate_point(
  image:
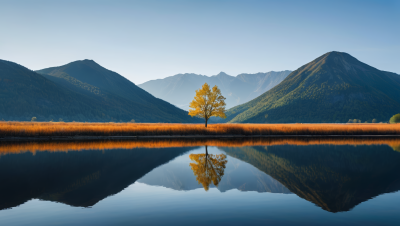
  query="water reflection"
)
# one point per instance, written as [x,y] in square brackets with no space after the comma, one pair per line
[238,175]
[75,178]
[208,168]
[334,177]
[18,147]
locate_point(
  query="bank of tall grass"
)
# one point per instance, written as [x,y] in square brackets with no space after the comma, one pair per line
[38,129]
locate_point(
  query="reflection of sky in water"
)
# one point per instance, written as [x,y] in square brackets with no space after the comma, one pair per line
[141,204]
[331,185]
[240,175]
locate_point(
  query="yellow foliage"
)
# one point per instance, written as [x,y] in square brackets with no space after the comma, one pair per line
[208,168]
[208,103]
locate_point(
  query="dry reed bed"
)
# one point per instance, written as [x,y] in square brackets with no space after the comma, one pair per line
[65,146]
[32,129]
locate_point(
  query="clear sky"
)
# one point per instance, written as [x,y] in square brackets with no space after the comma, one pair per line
[145,40]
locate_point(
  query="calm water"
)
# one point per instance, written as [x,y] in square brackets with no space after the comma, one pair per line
[281,185]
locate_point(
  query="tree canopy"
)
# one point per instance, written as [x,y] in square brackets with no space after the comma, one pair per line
[395,119]
[208,103]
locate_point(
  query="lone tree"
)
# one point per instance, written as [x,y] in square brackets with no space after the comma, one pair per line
[208,103]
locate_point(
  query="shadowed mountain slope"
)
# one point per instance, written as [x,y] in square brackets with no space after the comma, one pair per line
[180,89]
[76,178]
[24,94]
[88,72]
[90,79]
[336,178]
[335,87]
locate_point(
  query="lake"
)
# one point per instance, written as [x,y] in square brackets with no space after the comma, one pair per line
[200,183]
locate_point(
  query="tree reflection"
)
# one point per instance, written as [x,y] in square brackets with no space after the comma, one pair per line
[208,168]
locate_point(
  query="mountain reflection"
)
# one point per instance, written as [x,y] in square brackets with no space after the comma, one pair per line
[239,175]
[208,168]
[334,177]
[75,178]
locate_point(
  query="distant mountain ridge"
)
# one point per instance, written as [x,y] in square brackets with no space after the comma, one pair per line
[180,89]
[79,91]
[335,87]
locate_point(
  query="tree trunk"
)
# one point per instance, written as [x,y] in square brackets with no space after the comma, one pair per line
[205,162]
[206,122]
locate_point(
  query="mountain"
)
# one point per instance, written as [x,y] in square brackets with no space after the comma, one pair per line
[79,91]
[335,87]
[80,178]
[336,178]
[180,89]
[24,94]
[89,78]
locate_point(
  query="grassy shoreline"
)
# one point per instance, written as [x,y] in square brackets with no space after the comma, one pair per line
[76,129]
[189,137]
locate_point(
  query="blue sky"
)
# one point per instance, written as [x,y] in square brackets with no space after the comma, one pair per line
[145,40]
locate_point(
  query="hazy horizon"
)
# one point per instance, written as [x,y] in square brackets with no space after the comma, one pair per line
[150,40]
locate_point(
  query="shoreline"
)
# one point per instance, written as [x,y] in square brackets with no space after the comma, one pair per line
[17,145]
[134,131]
[89,138]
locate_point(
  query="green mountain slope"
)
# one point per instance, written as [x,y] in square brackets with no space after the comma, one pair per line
[180,89]
[25,94]
[88,77]
[335,87]
[84,73]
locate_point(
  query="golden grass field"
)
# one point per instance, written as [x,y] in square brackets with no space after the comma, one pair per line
[35,129]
